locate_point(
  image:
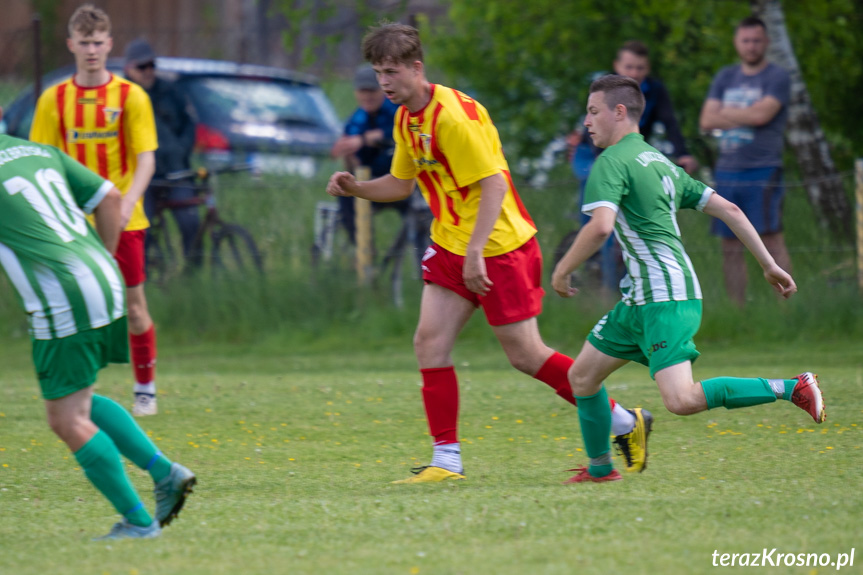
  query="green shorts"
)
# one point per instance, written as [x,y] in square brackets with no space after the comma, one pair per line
[657,335]
[70,364]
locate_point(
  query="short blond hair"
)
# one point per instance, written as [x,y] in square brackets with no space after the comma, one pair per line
[88,19]
[392,42]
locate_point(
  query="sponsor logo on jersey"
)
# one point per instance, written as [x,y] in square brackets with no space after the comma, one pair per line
[74,136]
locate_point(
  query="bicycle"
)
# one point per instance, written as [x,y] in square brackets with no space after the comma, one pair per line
[414,231]
[232,249]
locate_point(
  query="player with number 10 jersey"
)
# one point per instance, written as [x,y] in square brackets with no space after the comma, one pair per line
[53,257]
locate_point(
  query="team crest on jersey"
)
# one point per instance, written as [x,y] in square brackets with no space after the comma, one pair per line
[426,140]
[111,114]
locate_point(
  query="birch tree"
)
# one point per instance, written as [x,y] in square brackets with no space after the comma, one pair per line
[821,179]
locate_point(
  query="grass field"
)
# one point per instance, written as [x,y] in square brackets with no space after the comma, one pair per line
[295,448]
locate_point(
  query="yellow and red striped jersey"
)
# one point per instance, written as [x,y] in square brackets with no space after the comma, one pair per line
[103,127]
[449,146]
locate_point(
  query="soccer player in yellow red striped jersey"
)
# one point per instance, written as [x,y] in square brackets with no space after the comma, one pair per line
[483,253]
[107,124]
[636,192]
[70,287]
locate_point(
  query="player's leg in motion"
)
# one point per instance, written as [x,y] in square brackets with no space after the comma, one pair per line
[443,314]
[173,482]
[142,345]
[69,418]
[684,396]
[527,353]
[586,375]
[512,307]
[142,332]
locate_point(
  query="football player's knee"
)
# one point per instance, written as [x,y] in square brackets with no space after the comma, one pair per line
[681,404]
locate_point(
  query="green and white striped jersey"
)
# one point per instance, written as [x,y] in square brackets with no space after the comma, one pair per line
[645,189]
[66,280]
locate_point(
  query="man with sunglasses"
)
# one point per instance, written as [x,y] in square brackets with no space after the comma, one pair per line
[176,131]
[106,123]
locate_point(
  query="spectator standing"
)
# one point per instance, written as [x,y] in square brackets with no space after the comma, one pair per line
[748,103]
[106,123]
[176,133]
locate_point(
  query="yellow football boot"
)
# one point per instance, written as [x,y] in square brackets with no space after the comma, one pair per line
[429,474]
[633,445]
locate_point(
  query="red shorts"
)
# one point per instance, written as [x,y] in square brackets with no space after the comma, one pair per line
[130,257]
[517,276]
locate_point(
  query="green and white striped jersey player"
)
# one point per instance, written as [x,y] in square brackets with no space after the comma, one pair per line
[71,288]
[646,190]
[636,192]
[66,280]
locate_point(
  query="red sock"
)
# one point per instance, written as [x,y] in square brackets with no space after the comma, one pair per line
[554,373]
[440,396]
[143,348]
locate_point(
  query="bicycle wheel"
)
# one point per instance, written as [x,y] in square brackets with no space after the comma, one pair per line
[235,251]
[160,257]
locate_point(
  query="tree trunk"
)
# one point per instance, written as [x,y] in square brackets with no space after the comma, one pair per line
[823,183]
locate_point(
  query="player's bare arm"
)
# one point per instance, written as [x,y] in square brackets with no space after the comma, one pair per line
[107,216]
[387,188]
[589,239]
[734,218]
[758,114]
[140,180]
[493,192]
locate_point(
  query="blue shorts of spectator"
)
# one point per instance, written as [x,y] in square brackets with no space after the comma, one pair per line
[759,192]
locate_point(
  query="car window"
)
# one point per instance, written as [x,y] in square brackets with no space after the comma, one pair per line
[253,100]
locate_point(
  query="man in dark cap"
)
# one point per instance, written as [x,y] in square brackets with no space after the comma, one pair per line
[176,133]
[368,138]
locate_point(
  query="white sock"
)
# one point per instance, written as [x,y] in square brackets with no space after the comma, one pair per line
[622,422]
[148,388]
[448,456]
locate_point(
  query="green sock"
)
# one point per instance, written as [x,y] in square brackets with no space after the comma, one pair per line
[594,414]
[789,385]
[734,392]
[130,439]
[101,463]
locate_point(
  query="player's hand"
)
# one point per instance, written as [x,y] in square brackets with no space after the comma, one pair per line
[342,184]
[688,163]
[126,209]
[373,137]
[475,276]
[781,281]
[562,284]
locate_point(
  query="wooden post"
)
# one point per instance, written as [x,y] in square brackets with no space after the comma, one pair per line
[37,56]
[365,241]
[858,169]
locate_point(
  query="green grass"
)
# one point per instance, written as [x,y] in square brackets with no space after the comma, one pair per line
[295,446]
